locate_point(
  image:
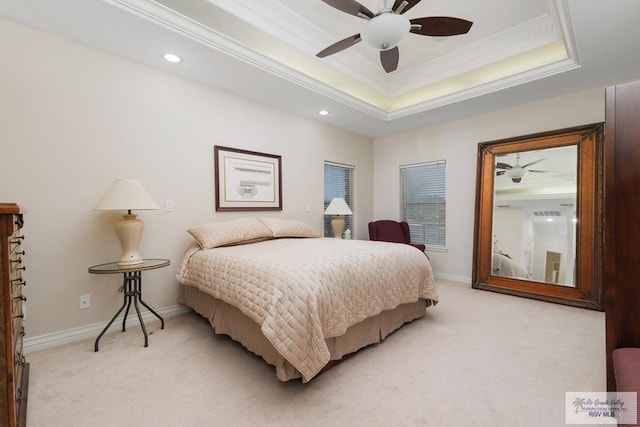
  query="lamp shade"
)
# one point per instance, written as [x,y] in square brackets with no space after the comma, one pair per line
[126,194]
[338,207]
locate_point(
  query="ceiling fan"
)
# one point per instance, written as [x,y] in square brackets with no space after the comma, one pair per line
[517,171]
[386,28]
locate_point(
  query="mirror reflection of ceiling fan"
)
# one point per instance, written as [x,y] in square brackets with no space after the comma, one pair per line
[386,28]
[517,171]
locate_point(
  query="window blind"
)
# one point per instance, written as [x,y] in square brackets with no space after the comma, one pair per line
[423,202]
[338,182]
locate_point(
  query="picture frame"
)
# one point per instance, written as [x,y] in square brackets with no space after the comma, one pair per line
[247,180]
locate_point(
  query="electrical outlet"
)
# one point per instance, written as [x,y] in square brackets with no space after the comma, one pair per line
[168,205]
[85,302]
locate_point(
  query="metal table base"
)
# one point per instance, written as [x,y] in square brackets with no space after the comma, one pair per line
[132,290]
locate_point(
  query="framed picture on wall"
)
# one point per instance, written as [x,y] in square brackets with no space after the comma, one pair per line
[247,180]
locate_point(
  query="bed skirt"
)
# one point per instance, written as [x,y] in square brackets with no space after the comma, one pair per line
[228,320]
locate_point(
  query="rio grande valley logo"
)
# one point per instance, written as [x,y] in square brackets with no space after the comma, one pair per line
[601,408]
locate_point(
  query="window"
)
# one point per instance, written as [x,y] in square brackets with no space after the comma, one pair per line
[423,202]
[338,182]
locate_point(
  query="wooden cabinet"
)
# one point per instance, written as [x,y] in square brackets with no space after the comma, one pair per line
[622,220]
[14,371]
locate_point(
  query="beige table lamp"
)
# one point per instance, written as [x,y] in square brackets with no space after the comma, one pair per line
[338,207]
[128,195]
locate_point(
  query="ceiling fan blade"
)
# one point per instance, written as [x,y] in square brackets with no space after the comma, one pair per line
[440,26]
[503,166]
[410,3]
[339,46]
[500,173]
[532,163]
[389,59]
[538,171]
[351,7]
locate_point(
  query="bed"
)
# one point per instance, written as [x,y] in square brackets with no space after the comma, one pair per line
[502,265]
[298,300]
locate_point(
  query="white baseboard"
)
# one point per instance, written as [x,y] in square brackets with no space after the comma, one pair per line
[453,277]
[55,339]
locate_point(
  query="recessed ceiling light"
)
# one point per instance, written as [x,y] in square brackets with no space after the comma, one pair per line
[323,112]
[172,57]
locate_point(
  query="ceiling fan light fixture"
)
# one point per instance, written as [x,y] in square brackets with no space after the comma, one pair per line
[385,30]
[516,174]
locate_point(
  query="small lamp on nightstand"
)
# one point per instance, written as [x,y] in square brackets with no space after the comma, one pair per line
[127,194]
[338,207]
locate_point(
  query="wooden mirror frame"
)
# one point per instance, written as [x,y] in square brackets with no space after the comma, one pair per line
[588,289]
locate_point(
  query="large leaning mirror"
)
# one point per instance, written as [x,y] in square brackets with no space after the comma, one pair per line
[538,230]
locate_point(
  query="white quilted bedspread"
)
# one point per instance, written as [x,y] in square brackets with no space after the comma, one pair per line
[302,291]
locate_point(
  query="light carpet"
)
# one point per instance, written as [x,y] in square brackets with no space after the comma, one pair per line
[477,359]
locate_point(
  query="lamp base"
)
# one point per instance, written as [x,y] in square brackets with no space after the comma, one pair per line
[337,223]
[129,230]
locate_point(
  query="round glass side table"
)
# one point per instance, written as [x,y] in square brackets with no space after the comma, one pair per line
[131,289]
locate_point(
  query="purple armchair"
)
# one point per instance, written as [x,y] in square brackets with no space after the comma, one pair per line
[387,230]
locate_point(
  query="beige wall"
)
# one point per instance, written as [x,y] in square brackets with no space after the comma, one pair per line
[456,142]
[73,119]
